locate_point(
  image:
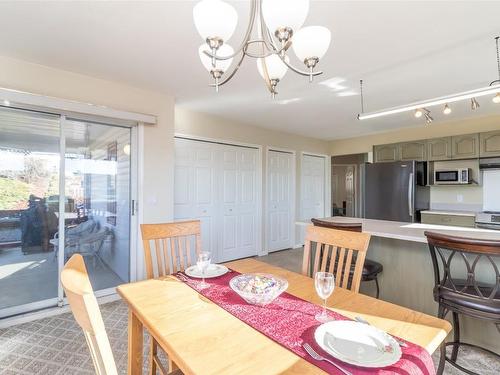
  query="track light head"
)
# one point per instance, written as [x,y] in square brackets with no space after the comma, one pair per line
[428,117]
[474,104]
[496,98]
[418,113]
[447,109]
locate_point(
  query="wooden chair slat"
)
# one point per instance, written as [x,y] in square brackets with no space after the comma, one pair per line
[340,267]
[182,251]
[347,269]
[333,258]
[324,256]
[166,258]
[159,262]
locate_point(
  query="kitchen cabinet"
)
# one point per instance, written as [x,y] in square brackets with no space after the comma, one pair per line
[465,146]
[415,150]
[386,153]
[439,149]
[489,144]
[455,220]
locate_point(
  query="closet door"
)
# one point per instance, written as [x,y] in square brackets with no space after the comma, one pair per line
[239,203]
[280,199]
[312,187]
[195,190]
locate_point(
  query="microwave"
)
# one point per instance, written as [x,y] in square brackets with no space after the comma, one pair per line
[453,176]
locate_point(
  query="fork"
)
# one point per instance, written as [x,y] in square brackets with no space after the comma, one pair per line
[317,357]
[399,341]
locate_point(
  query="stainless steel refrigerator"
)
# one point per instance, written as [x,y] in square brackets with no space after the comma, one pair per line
[395,191]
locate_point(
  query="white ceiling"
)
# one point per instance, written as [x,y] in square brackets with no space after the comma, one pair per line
[403,50]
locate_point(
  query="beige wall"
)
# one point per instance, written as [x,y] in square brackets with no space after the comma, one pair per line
[158,139]
[365,143]
[210,126]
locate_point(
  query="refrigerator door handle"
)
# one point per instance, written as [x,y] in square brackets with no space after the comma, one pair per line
[410,195]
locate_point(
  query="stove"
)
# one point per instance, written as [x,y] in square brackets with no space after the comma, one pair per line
[488,220]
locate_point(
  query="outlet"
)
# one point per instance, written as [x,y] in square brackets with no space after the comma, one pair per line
[460,198]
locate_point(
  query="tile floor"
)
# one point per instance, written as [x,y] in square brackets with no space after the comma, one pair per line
[56,345]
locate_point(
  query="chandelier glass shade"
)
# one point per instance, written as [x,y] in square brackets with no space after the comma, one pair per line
[215,19]
[274,26]
[280,14]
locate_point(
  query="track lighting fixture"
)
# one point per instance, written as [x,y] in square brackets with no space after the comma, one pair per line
[417,107]
[474,104]
[428,117]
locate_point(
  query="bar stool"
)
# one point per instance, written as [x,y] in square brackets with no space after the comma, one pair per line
[371,269]
[465,296]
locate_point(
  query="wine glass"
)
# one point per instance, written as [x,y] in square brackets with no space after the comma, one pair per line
[202,263]
[324,282]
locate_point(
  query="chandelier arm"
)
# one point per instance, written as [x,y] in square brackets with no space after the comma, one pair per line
[235,69]
[298,71]
[243,44]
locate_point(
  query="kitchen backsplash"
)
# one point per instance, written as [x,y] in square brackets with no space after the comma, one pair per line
[458,198]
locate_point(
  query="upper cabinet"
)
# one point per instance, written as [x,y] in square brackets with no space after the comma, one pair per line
[439,149]
[386,153]
[490,144]
[415,150]
[465,146]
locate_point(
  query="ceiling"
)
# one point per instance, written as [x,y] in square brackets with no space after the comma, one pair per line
[404,51]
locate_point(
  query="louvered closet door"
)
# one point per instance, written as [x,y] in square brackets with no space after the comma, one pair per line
[195,191]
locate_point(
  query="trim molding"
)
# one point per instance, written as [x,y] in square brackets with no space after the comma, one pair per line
[26,100]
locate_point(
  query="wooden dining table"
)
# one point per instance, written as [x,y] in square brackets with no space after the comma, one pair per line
[202,338]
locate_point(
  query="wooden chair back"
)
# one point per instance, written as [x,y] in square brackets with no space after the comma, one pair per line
[76,285]
[170,247]
[335,251]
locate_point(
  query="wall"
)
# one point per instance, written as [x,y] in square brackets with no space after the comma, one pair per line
[157,180]
[210,126]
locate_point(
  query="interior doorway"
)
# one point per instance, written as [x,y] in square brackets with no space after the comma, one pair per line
[347,176]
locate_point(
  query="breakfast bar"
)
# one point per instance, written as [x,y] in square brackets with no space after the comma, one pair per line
[407,278]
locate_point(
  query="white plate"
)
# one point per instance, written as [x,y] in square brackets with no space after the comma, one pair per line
[357,343]
[213,270]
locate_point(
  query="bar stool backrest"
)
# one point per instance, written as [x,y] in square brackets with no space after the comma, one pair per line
[445,248]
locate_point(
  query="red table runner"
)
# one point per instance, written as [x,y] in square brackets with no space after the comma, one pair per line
[289,321]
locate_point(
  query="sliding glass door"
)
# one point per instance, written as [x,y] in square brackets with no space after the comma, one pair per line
[29,180]
[65,188]
[97,208]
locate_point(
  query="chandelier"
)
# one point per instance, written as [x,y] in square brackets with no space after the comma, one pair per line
[273,27]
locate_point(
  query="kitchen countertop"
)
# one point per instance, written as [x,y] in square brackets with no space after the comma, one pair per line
[449,212]
[411,231]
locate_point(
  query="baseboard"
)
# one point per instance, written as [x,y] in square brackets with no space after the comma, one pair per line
[48,312]
[298,246]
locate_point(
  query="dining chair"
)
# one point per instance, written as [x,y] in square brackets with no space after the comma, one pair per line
[371,269]
[339,249]
[76,285]
[168,248]
[459,264]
